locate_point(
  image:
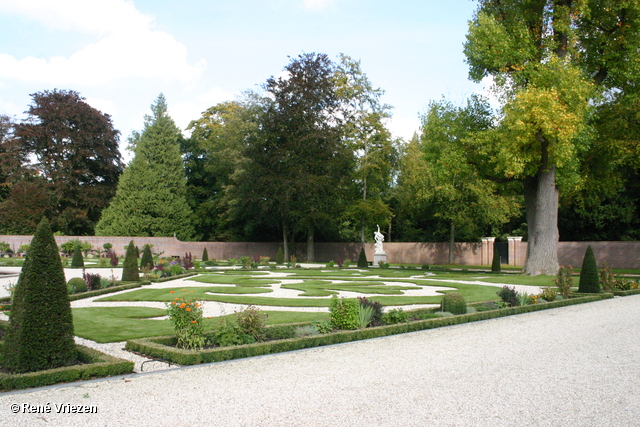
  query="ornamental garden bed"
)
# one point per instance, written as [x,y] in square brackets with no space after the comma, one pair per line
[165,347]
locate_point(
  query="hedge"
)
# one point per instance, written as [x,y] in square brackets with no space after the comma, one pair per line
[95,365]
[162,347]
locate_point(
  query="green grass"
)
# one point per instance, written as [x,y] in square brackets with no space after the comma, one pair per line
[114,324]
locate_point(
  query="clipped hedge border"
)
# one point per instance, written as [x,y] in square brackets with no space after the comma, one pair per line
[95,365]
[109,290]
[179,276]
[626,293]
[162,347]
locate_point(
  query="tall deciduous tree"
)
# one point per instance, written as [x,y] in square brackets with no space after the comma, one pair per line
[151,198]
[75,148]
[554,63]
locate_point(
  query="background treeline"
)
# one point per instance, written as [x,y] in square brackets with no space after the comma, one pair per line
[306,158]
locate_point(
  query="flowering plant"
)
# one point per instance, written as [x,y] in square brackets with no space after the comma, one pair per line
[186,315]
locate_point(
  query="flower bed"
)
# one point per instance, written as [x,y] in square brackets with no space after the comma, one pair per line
[164,347]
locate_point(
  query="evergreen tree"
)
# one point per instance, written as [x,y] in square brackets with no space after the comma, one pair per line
[589,279]
[495,265]
[362,259]
[147,258]
[205,255]
[77,261]
[40,334]
[130,272]
[280,257]
[151,199]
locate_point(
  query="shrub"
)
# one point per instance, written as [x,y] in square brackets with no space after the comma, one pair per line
[397,315]
[279,257]
[227,333]
[495,264]
[509,296]
[147,258]
[564,281]
[453,302]
[77,261]
[92,280]
[365,313]
[305,331]
[130,272]
[548,294]
[345,313]
[589,280]
[76,285]
[186,316]
[205,255]
[346,263]
[607,278]
[376,318]
[282,332]
[362,259]
[113,258]
[40,334]
[252,322]
[187,261]
[425,266]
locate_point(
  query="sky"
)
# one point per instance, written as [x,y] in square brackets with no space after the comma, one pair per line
[120,55]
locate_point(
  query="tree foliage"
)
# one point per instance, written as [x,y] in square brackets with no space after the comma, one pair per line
[75,148]
[40,334]
[151,199]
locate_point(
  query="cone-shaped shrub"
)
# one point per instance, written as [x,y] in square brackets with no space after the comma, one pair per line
[279,257]
[130,272]
[77,261]
[495,265]
[589,279]
[362,259]
[205,255]
[147,258]
[40,333]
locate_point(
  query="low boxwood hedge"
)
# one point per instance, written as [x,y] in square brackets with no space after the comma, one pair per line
[111,289]
[164,347]
[94,365]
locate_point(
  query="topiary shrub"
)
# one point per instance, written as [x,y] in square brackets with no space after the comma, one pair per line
[205,255]
[495,264]
[40,333]
[453,302]
[76,285]
[130,272]
[279,257]
[147,258]
[589,280]
[362,259]
[77,261]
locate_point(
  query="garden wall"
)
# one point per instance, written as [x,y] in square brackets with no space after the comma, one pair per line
[616,254]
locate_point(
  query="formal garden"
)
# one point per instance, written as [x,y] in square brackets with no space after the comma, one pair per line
[195,310]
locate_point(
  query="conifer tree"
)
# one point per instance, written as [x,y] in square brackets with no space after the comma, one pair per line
[40,334]
[205,255]
[130,272]
[495,265]
[362,259]
[151,199]
[77,261]
[589,279]
[147,258]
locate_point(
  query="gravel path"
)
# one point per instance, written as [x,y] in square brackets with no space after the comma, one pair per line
[571,366]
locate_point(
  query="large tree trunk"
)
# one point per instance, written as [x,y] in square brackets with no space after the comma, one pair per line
[310,245]
[541,204]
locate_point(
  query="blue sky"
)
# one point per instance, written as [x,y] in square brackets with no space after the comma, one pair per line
[121,54]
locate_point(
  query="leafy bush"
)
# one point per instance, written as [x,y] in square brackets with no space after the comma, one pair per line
[425,266]
[77,261]
[589,280]
[306,331]
[365,313]
[453,302]
[186,316]
[548,294]
[331,264]
[69,246]
[397,315]
[92,280]
[509,296]
[76,285]
[113,258]
[345,313]
[252,322]
[281,332]
[564,281]
[187,261]
[346,263]
[376,318]
[228,333]
[362,259]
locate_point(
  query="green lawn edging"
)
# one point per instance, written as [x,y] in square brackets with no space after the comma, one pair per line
[162,347]
[95,365]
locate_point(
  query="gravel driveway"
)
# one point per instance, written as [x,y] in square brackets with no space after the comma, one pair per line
[571,366]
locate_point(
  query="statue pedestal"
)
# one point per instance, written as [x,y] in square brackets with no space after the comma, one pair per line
[379,257]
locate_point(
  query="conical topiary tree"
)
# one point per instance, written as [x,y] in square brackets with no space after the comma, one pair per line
[147,258]
[77,261]
[130,272]
[279,257]
[362,259]
[589,278]
[495,264]
[205,255]
[40,334]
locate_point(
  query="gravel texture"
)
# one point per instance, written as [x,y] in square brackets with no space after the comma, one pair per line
[571,366]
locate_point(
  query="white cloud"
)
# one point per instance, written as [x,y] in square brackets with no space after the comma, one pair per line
[128,47]
[184,112]
[403,127]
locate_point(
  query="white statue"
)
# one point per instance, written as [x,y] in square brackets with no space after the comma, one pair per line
[379,239]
